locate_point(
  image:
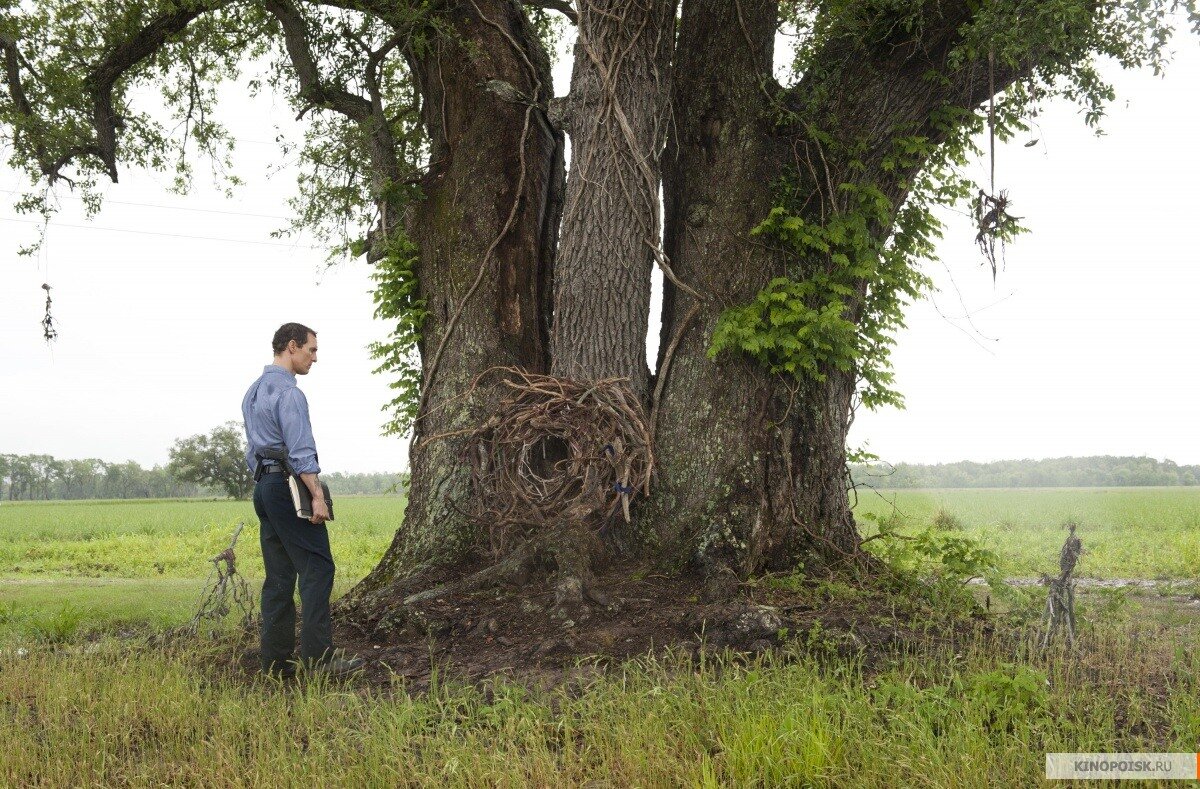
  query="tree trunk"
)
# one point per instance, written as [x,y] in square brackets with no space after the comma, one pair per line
[752,466]
[486,230]
[616,119]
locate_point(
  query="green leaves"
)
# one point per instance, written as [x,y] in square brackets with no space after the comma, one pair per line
[839,310]
[216,460]
[790,328]
[397,298]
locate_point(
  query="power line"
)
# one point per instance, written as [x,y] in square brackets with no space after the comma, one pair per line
[167,207]
[168,235]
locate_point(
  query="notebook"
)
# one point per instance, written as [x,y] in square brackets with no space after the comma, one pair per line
[302,499]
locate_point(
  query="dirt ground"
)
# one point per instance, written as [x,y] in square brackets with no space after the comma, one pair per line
[518,633]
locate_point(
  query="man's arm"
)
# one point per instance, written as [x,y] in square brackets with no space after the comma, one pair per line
[320,510]
[302,449]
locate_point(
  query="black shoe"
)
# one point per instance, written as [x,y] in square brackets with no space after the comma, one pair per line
[286,672]
[338,667]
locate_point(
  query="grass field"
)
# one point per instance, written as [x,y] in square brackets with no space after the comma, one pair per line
[171,538]
[102,565]
[76,578]
[1150,533]
[967,718]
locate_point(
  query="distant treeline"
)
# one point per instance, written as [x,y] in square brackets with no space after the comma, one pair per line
[1089,472]
[42,477]
[366,484]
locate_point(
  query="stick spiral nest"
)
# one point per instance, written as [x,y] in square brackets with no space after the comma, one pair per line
[558,451]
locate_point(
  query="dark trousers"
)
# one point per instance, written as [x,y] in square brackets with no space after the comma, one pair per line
[292,547]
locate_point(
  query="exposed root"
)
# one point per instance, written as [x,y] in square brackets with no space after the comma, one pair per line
[511,568]
[572,551]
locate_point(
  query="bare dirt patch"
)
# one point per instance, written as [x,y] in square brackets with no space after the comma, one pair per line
[519,633]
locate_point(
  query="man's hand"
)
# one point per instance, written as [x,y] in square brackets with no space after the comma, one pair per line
[320,510]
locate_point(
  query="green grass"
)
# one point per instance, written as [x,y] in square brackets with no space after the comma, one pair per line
[971,717]
[81,568]
[1149,533]
[79,706]
[65,609]
[171,538]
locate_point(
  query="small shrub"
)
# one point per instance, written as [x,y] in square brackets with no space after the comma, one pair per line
[57,627]
[945,520]
[1008,695]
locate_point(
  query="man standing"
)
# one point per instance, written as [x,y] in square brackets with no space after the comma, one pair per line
[276,418]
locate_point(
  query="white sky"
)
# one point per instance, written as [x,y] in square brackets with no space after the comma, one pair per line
[1093,318]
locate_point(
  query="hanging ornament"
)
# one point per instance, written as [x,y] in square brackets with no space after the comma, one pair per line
[48,330]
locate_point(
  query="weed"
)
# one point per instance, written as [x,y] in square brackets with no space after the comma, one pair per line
[945,520]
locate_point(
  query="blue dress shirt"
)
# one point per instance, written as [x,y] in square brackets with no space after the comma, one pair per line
[276,415]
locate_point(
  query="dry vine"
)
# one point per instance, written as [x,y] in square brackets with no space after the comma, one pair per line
[557,451]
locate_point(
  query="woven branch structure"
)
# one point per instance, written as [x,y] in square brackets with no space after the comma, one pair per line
[557,452]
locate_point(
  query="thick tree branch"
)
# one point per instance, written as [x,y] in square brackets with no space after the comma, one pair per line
[101,80]
[561,6]
[312,88]
[876,86]
[369,114]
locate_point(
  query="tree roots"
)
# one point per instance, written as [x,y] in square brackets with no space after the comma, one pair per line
[571,553]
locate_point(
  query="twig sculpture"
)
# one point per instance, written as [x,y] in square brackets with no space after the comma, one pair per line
[1060,597]
[229,589]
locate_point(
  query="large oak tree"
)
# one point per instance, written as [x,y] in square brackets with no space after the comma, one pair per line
[796,211]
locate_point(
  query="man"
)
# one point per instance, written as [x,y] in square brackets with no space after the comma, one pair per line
[276,418]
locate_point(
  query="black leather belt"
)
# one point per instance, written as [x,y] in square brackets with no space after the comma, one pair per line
[274,470]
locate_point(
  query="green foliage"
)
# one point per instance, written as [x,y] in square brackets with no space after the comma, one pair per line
[936,564]
[44,477]
[397,298]
[50,129]
[34,477]
[854,262]
[1010,695]
[216,460]
[345,183]
[838,315]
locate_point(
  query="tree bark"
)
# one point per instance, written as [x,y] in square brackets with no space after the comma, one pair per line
[616,119]
[751,467]
[486,229]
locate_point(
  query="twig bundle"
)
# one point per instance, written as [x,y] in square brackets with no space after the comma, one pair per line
[556,451]
[220,596]
[1060,598]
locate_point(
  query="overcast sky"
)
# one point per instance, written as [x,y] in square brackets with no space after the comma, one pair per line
[1086,344]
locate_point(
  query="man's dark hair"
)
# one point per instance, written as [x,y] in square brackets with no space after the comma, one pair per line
[288,332]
